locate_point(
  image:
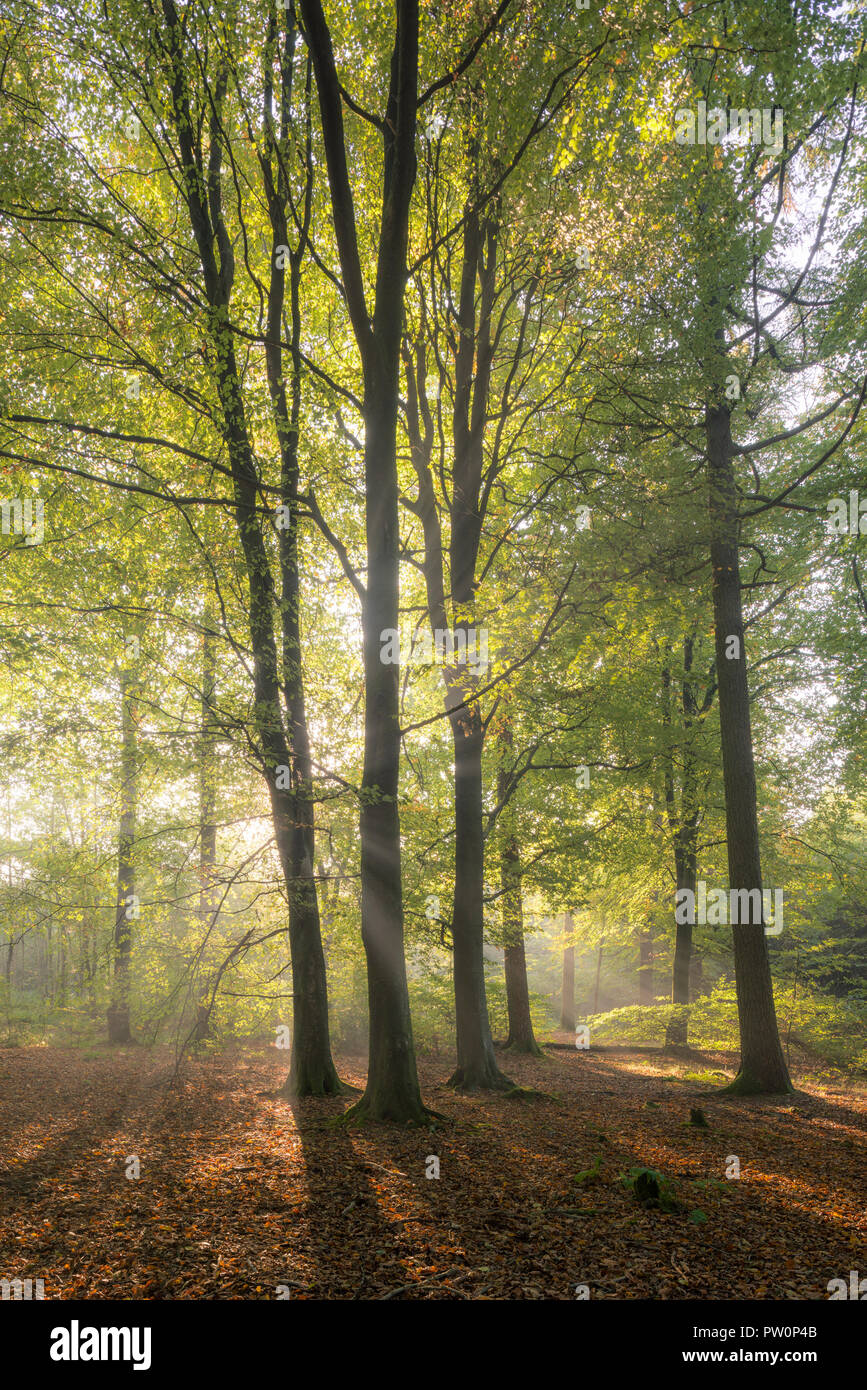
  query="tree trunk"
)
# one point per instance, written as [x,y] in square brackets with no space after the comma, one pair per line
[645,968]
[63,977]
[126,910]
[596,985]
[312,1070]
[392,1091]
[684,821]
[677,1031]
[477,1065]
[477,1068]
[207,813]
[567,994]
[521,1037]
[763,1068]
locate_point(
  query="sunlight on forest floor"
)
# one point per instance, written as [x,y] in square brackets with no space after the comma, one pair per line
[241,1194]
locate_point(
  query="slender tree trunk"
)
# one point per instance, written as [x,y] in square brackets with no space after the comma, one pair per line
[477,1065]
[763,1068]
[392,1091]
[684,821]
[567,993]
[677,1031]
[126,909]
[10,947]
[477,1068]
[312,1070]
[521,1037]
[645,968]
[598,974]
[682,954]
[62,946]
[207,809]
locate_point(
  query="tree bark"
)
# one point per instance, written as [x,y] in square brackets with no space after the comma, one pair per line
[477,1066]
[762,1067]
[312,1071]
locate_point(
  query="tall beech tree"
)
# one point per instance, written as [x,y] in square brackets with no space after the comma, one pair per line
[283,739]
[763,1067]
[392,1091]
[750,311]
[733,318]
[473,225]
[463,674]
[488,361]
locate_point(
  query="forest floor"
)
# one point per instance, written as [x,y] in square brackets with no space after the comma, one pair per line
[239,1192]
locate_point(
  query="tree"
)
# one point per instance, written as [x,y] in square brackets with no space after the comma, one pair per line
[392,1091]
[521,1037]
